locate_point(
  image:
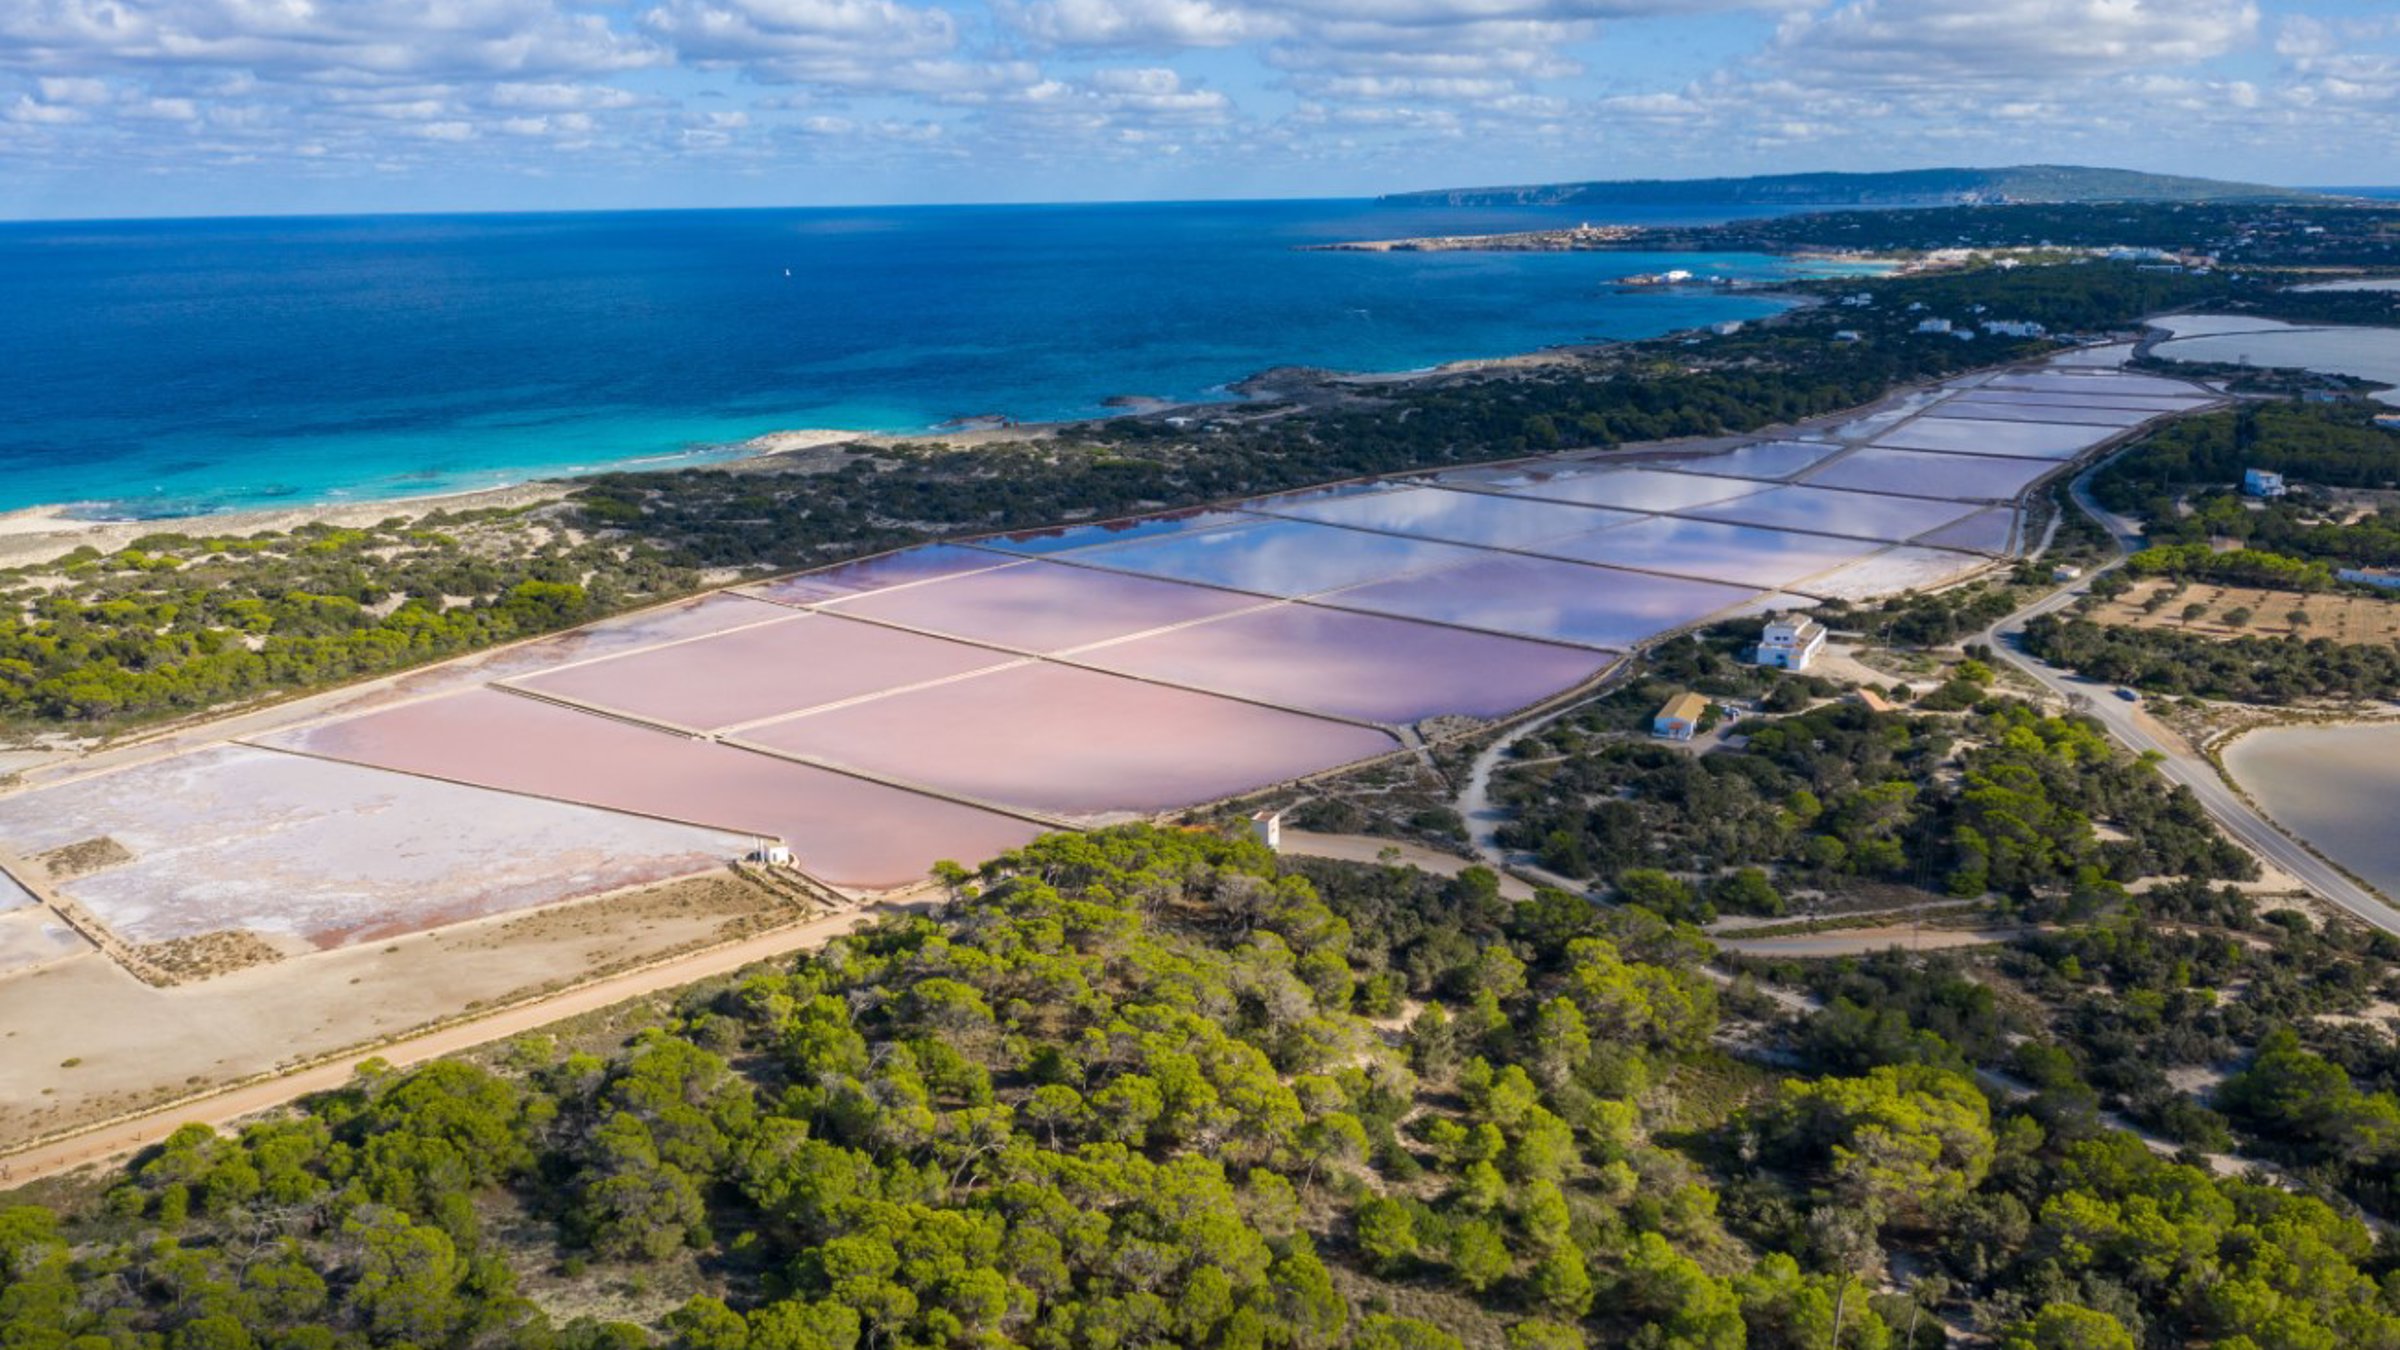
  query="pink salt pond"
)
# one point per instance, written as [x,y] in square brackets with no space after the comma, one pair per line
[1354,665]
[843,830]
[1045,607]
[1072,742]
[765,671]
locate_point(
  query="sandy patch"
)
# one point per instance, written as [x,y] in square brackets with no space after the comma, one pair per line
[2348,619]
[135,1045]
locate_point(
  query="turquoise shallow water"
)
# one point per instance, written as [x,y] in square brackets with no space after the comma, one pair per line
[162,367]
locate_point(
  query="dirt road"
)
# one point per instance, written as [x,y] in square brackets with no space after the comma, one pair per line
[1366,848]
[119,1138]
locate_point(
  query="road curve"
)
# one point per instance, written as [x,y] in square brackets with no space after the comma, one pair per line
[2130,723]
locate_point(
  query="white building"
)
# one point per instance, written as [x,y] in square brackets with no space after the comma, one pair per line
[2016,328]
[1267,828]
[2262,483]
[1933,325]
[1680,719]
[1791,642]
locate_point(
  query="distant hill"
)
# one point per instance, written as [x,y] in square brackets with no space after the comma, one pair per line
[1909,187]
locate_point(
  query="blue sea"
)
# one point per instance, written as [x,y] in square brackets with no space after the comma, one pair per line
[162,367]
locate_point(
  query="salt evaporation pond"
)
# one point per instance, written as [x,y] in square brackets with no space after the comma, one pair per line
[2362,284]
[2332,786]
[2367,353]
[954,699]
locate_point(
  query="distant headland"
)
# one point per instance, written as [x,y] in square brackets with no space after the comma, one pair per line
[2045,183]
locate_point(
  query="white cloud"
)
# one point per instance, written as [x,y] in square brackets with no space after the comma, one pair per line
[352,39]
[835,41]
[1141,24]
[560,96]
[1915,41]
[82,92]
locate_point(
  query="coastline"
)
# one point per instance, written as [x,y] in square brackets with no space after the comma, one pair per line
[33,535]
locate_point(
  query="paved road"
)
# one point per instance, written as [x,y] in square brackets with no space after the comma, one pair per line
[2130,723]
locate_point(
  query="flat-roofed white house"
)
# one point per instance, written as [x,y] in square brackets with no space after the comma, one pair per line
[1267,828]
[1791,642]
[2262,483]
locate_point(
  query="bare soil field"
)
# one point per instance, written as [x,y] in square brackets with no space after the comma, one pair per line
[2343,618]
[81,1040]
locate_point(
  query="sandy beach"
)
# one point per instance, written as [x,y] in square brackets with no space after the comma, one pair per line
[38,534]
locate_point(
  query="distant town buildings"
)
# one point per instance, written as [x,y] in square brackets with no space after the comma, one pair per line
[2019,328]
[1680,719]
[2262,483]
[1933,325]
[1791,642]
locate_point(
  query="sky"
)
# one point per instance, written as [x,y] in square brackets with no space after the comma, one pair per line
[231,107]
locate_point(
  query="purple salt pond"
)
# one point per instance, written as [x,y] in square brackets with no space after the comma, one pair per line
[1638,489]
[1925,473]
[924,563]
[1984,532]
[1354,665]
[1975,436]
[1540,598]
[1275,557]
[2109,383]
[1861,515]
[1045,607]
[1988,411]
[1768,459]
[1072,742]
[764,671]
[1064,538]
[1456,517]
[1742,554]
[2040,398]
[844,830]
